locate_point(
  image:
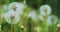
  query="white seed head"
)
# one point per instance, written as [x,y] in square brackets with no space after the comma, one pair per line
[52,20]
[45,10]
[32,14]
[18,7]
[12,17]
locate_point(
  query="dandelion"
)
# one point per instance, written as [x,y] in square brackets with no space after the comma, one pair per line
[18,7]
[45,10]
[52,19]
[12,17]
[32,14]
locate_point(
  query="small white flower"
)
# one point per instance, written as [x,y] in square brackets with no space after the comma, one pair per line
[18,7]
[32,14]
[45,10]
[52,20]
[12,17]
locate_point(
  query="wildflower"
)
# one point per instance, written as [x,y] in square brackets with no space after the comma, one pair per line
[45,10]
[18,7]
[52,19]
[12,17]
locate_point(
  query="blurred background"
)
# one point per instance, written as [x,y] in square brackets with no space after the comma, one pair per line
[29,23]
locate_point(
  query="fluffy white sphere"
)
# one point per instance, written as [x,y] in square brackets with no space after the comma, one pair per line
[52,19]
[32,14]
[45,10]
[12,17]
[18,7]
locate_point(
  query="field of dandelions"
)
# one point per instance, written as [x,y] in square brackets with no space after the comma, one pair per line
[29,16]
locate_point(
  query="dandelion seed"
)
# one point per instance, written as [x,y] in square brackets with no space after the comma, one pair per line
[45,10]
[18,7]
[52,19]
[12,17]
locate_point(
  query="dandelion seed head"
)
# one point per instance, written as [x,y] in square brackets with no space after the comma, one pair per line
[18,7]
[32,14]
[52,19]
[12,17]
[45,10]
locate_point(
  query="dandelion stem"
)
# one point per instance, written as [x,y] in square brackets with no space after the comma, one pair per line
[11,26]
[45,25]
